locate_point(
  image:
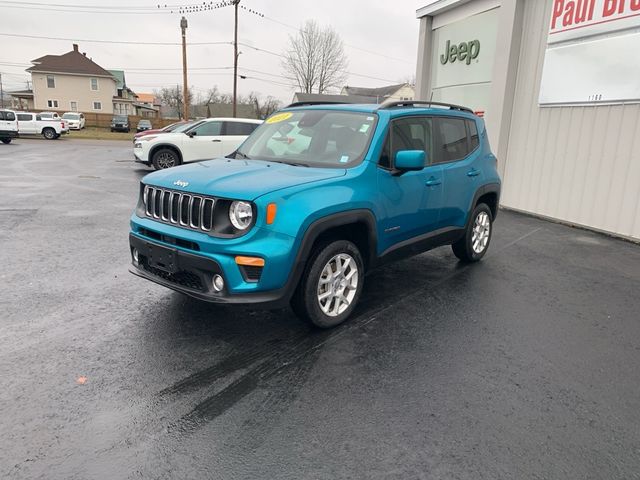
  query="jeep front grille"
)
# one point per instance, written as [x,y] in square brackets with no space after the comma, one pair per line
[178,208]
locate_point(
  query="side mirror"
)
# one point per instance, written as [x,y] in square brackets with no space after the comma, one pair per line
[410,160]
[192,134]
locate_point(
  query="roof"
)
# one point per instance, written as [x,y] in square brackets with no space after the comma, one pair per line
[146,98]
[321,97]
[72,62]
[21,93]
[119,76]
[377,108]
[379,93]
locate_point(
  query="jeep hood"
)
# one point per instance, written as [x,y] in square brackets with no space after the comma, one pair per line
[239,179]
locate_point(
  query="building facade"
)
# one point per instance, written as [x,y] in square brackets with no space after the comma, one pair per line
[557,83]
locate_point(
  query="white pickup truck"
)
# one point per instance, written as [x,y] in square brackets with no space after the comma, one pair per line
[34,124]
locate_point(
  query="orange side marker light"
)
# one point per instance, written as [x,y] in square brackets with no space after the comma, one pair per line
[272,208]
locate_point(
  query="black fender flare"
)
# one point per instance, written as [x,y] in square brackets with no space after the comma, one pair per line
[318,227]
[483,190]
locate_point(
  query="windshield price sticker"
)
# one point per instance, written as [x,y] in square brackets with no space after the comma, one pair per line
[280,117]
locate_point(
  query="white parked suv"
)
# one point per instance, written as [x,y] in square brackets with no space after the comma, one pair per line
[8,126]
[204,140]
[76,120]
[34,124]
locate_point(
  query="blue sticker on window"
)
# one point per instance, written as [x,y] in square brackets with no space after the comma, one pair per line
[344,159]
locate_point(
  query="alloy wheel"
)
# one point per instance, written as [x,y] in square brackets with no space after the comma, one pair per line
[338,284]
[481,232]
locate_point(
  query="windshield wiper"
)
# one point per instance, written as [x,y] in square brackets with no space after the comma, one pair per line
[295,164]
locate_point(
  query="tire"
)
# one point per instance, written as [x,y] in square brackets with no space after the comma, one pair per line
[165,158]
[475,243]
[49,133]
[327,312]
[6,141]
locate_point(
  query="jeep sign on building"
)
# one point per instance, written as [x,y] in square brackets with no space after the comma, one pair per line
[558,82]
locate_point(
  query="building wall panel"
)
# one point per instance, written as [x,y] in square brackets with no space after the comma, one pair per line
[579,164]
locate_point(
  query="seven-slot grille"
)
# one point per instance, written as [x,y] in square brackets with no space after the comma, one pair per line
[178,208]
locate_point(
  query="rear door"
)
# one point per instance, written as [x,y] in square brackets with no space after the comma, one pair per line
[233,134]
[457,151]
[27,123]
[204,142]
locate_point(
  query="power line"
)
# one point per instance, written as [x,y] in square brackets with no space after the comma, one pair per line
[122,42]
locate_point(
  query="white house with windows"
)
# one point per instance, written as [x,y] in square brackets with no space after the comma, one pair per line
[72,82]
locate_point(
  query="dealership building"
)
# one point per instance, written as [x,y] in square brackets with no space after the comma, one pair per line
[558,83]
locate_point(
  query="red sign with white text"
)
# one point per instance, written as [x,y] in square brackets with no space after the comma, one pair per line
[572,19]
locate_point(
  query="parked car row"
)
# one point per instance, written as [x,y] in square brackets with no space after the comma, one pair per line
[120,123]
[194,141]
[14,124]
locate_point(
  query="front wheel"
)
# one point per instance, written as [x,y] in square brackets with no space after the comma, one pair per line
[331,285]
[49,134]
[477,237]
[165,158]
[6,141]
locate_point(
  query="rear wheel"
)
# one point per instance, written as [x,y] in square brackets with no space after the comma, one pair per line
[477,237]
[165,158]
[49,133]
[331,285]
[6,141]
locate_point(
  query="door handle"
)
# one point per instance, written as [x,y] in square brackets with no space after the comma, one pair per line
[433,182]
[473,173]
[216,140]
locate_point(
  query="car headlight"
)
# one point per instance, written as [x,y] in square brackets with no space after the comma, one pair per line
[240,214]
[137,145]
[146,138]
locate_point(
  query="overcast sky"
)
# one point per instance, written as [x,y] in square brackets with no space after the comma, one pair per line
[388,27]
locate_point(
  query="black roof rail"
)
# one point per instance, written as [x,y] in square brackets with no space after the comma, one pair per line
[312,102]
[400,103]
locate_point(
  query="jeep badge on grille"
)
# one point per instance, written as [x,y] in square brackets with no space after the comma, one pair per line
[181,183]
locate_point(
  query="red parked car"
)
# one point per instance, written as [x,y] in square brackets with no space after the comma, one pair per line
[157,131]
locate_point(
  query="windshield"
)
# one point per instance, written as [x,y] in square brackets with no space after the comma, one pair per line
[120,118]
[146,123]
[185,128]
[71,116]
[317,138]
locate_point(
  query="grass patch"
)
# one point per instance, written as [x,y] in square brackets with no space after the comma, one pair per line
[95,133]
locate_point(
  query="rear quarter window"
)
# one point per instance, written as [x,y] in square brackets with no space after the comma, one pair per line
[10,116]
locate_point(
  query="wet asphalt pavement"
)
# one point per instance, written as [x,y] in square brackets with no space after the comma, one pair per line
[524,366]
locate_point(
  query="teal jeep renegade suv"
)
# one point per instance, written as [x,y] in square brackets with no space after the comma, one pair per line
[313,199]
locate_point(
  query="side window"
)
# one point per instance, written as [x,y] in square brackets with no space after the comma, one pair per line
[239,128]
[411,133]
[452,140]
[2,115]
[209,129]
[24,117]
[474,139]
[9,116]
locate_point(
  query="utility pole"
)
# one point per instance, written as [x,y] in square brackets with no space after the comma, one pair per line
[1,93]
[185,99]
[235,59]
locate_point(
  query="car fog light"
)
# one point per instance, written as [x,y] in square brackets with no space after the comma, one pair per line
[136,256]
[218,283]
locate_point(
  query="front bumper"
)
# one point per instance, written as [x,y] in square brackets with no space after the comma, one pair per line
[194,258]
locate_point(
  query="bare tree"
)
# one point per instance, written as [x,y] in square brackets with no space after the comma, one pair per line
[172,97]
[315,59]
[263,108]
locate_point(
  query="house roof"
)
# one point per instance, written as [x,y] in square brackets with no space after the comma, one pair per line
[379,92]
[321,97]
[146,98]
[119,76]
[72,62]
[21,93]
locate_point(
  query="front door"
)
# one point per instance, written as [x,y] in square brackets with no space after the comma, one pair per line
[204,142]
[410,202]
